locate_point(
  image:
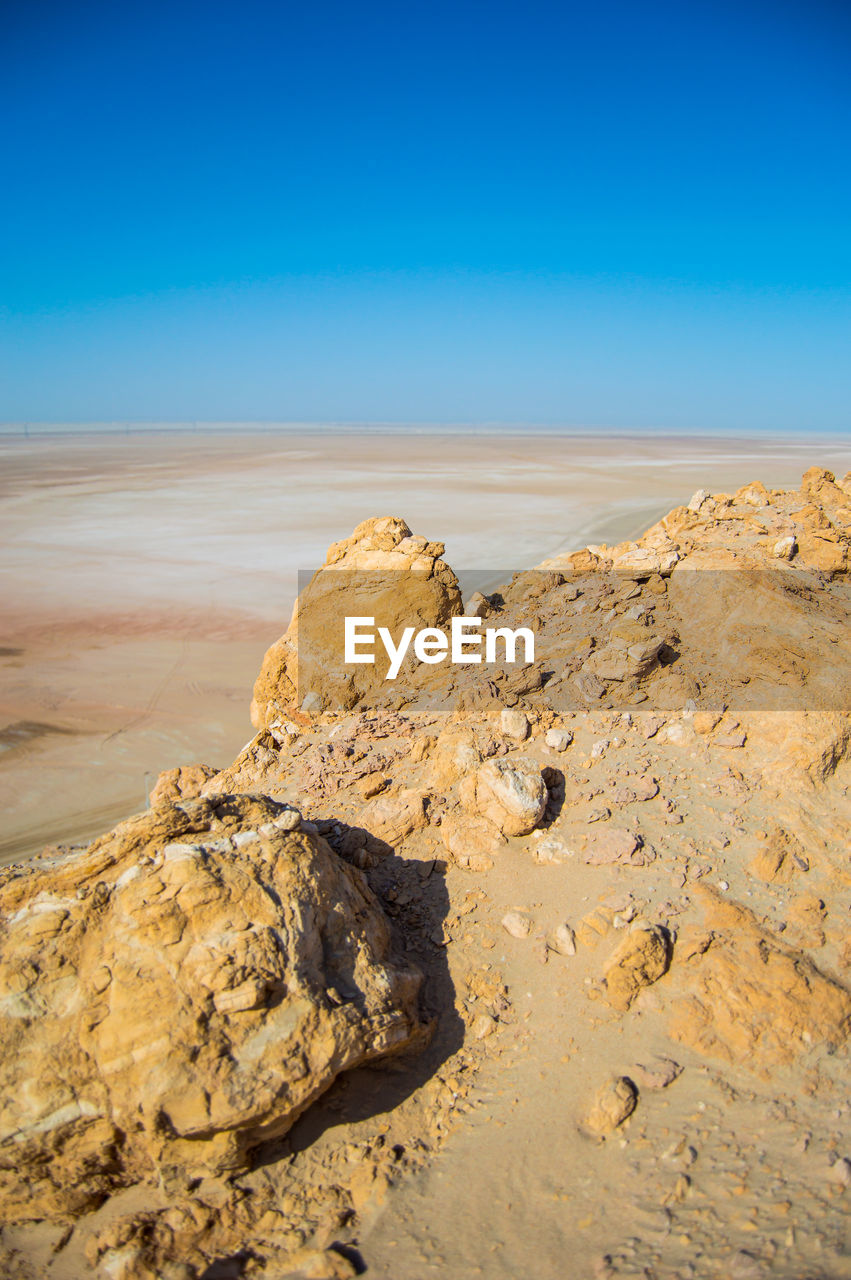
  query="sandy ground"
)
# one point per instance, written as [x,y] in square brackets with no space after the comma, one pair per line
[144,575]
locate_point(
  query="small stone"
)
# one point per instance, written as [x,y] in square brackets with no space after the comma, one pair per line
[657,1074]
[563,940]
[705,721]
[785,548]
[478,606]
[730,740]
[483,1026]
[371,785]
[552,851]
[514,724]
[616,845]
[840,1172]
[558,739]
[517,924]
[745,1266]
[289,820]
[613,1103]
[697,500]
[639,960]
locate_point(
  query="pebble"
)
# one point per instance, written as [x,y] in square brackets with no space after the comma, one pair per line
[657,1074]
[563,940]
[785,548]
[484,1026]
[514,724]
[517,924]
[558,739]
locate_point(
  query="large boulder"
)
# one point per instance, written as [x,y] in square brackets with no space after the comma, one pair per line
[180,992]
[382,571]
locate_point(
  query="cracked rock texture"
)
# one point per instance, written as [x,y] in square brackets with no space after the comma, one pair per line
[180,992]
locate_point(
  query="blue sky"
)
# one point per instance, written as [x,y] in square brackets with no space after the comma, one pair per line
[610,214]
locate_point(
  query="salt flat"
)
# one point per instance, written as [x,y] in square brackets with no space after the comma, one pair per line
[144,574]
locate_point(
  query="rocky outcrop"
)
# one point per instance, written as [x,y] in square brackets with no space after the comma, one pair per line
[647,827]
[382,571]
[177,994]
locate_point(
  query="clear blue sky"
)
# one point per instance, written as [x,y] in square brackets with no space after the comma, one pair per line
[615,213]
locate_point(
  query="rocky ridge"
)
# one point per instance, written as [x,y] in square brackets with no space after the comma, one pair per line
[644,832]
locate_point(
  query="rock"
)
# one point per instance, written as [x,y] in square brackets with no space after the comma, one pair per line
[640,959]
[657,1074]
[562,940]
[785,548]
[315,1264]
[755,494]
[753,1000]
[509,792]
[551,851]
[382,572]
[178,969]
[183,783]
[613,1103]
[478,606]
[393,816]
[642,562]
[697,500]
[746,1266]
[607,845]
[589,686]
[558,739]
[840,1172]
[455,753]
[615,663]
[471,840]
[517,923]
[704,722]
[483,1026]
[372,784]
[514,724]
[637,789]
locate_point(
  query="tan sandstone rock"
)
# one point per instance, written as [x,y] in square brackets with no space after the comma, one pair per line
[640,959]
[509,792]
[612,1104]
[751,999]
[178,993]
[471,840]
[183,783]
[382,571]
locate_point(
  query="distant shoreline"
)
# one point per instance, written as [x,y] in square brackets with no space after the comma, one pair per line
[807,435]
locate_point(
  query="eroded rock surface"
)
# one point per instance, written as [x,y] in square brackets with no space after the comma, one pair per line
[180,992]
[382,571]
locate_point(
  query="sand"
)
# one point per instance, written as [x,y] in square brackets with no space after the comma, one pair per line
[143,575]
